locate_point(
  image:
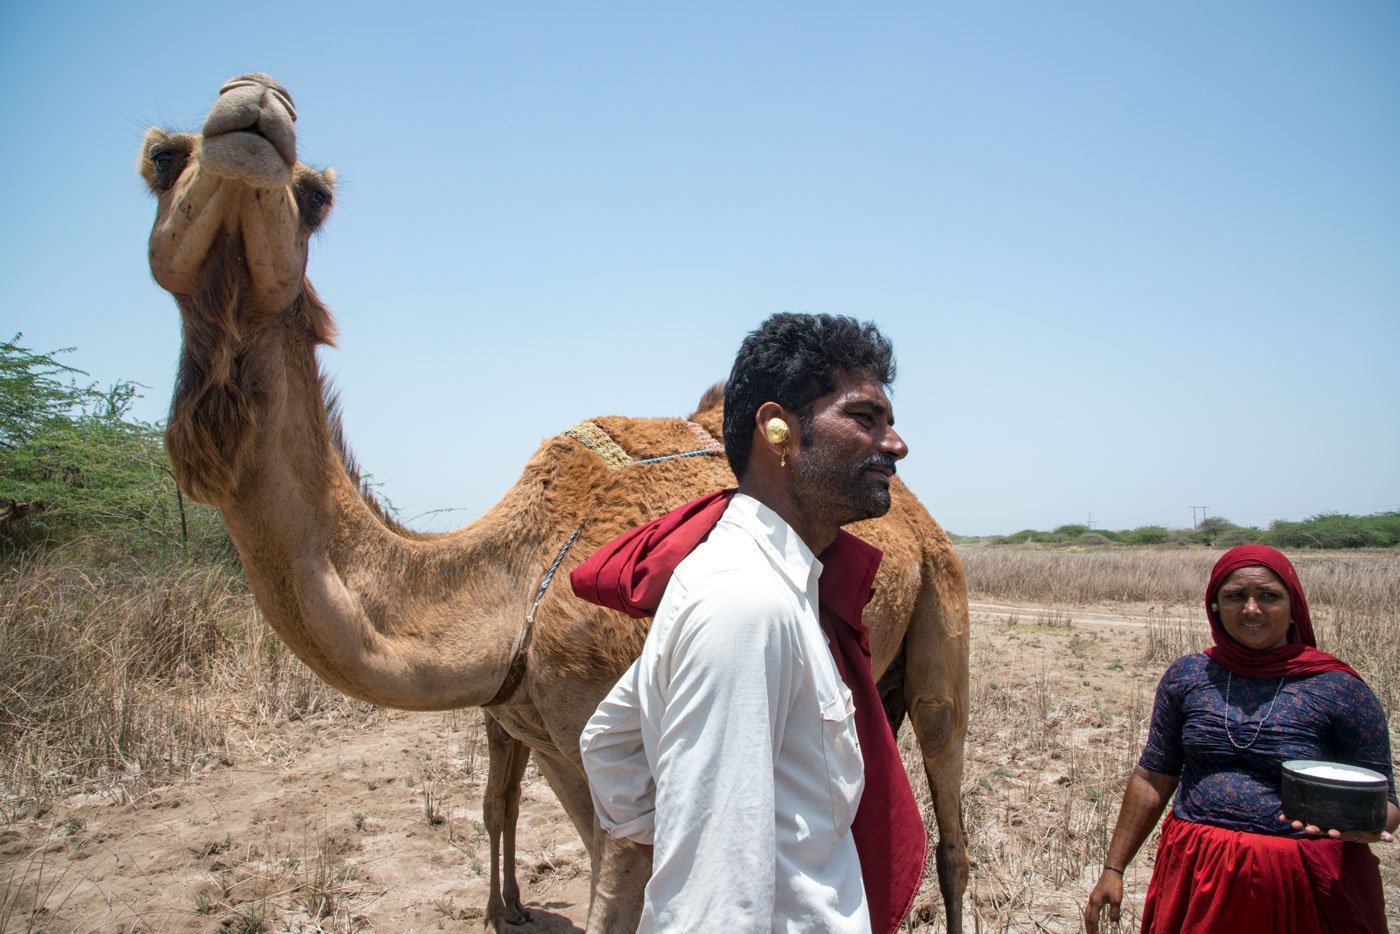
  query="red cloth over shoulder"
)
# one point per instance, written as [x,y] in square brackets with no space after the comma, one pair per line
[630,574]
[1300,656]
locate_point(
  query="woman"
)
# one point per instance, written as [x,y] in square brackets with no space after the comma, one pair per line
[1222,725]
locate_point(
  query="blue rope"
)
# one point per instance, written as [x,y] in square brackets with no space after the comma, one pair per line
[550,576]
[671,457]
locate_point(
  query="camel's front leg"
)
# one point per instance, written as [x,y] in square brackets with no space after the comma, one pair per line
[936,696]
[944,769]
[500,809]
[621,870]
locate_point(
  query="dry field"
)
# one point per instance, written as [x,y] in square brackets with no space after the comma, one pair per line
[166,765]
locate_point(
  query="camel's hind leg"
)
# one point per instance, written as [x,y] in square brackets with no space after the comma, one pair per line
[936,698]
[500,810]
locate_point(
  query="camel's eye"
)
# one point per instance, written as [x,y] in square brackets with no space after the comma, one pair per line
[167,162]
[315,200]
[164,158]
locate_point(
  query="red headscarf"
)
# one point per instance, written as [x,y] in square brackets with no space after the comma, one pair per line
[1299,655]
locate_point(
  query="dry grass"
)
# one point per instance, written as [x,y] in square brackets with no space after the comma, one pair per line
[1354,596]
[1058,714]
[1069,576]
[117,678]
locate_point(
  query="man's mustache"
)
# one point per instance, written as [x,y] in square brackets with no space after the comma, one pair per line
[879,460]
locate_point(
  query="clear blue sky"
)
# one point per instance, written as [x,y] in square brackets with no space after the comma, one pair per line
[1134,257]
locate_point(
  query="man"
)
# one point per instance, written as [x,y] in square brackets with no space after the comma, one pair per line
[731,743]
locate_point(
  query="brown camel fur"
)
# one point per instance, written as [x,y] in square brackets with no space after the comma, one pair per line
[426,622]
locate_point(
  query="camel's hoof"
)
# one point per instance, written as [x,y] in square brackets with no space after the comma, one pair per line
[497,921]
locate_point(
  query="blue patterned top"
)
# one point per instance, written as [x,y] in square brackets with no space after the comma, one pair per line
[1331,716]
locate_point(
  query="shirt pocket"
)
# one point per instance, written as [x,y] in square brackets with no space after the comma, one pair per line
[845,768]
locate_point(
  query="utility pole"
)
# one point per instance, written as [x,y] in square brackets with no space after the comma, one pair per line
[1194,523]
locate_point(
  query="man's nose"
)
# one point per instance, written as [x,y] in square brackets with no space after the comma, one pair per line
[893,445]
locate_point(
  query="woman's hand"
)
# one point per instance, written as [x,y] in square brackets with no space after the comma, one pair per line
[1143,800]
[1346,836]
[1108,891]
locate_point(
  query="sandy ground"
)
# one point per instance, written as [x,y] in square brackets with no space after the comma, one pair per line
[321,824]
[370,820]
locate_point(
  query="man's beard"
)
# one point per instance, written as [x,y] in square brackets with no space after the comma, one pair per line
[825,488]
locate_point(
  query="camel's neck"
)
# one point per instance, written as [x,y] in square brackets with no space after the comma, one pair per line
[403,620]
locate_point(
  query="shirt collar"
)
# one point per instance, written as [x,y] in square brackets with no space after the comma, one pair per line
[784,547]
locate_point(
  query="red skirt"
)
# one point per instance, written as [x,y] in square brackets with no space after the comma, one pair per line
[1212,879]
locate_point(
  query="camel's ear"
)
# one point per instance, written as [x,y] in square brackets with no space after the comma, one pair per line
[328,176]
[713,396]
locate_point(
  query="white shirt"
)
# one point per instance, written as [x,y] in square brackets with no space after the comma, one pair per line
[730,744]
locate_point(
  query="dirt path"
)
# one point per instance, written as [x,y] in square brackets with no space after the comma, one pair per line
[322,824]
[1137,616]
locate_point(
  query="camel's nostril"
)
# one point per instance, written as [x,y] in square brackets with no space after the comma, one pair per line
[285,99]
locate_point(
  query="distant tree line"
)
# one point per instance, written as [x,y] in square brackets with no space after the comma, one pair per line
[77,470]
[1329,530]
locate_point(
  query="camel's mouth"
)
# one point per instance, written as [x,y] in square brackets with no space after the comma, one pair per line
[249,134]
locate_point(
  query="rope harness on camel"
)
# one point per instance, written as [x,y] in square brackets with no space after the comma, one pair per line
[596,439]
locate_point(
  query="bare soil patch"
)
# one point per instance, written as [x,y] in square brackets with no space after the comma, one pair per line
[340,823]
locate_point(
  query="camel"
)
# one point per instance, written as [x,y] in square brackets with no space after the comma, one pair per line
[437,621]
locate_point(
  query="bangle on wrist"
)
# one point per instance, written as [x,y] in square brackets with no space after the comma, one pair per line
[1108,868]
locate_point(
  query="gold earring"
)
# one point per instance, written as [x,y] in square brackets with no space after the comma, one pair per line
[782,461]
[776,430]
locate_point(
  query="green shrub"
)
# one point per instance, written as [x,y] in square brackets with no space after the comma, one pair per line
[1026,535]
[1146,535]
[1331,530]
[100,476]
[1238,536]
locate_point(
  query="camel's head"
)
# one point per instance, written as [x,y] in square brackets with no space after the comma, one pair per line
[236,186]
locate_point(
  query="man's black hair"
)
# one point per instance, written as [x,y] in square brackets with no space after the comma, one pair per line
[794,359]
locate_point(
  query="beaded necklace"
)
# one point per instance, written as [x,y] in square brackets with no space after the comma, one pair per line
[1260,726]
